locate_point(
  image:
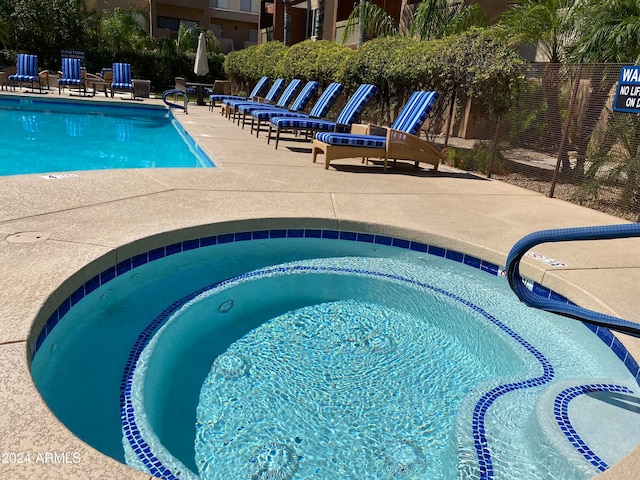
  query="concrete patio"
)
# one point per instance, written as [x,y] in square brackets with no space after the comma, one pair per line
[51,229]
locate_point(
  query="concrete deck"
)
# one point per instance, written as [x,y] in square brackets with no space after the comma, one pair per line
[50,230]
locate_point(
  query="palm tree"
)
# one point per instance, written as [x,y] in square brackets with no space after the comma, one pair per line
[121,30]
[608,32]
[549,26]
[320,20]
[287,22]
[546,24]
[4,31]
[432,19]
[371,21]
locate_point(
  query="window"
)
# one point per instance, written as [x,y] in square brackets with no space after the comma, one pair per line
[253,36]
[216,29]
[169,23]
[219,4]
[245,5]
[189,23]
[311,22]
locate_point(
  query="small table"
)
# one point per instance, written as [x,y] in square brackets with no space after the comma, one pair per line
[141,88]
[99,83]
[4,80]
[200,90]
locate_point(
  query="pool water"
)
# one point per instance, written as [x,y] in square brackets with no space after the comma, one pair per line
[308,358]
[41,136]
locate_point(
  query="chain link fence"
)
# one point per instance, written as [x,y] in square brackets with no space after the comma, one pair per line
[560,137]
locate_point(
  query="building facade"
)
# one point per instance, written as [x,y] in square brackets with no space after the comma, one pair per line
[304,17]
[233,22]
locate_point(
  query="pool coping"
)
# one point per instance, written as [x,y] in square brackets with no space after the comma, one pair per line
[101,228]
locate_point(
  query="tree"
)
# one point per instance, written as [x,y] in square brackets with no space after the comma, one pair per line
[439,19]
[547,25]
[121,30]
[607,32]
[4,32]
[43,27]
[432,19]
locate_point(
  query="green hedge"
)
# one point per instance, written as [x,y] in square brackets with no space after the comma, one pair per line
[159,66]
[476,63]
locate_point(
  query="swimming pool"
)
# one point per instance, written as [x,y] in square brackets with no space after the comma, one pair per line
[101,344]
[50,136]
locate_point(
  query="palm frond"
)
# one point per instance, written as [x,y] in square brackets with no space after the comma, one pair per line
[375,21]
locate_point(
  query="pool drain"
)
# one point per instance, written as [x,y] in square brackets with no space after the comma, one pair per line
[28,237]
[274,461]
[231,366]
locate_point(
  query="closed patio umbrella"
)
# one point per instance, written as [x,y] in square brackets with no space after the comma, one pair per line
[201,66]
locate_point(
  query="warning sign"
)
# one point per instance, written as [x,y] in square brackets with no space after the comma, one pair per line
[628,91]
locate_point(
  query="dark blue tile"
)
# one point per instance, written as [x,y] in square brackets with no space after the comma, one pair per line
[41,337]
[77,295]
[455,256]
[365,237]
[242,236]
[155,254]
[330,234]
[260,234]
[91,285]
[107,275]
[419,247]
[312,233]
[632,365]
[437,251]
[277,233]
[173,249]
[123,267]
[139,260]
[208,241]
[619,349]
[191,244]
[383,240]
[348,236]
[472,261]
[605,335]
[52,322]
[295,233]
[489,267]
[400,243]
[64,307]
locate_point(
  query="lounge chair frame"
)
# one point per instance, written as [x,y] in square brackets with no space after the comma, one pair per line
[399,146]
[398,142]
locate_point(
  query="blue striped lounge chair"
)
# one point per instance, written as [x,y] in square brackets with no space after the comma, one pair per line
[269,98]
[71,75]
[347,117]
[122,79]
[283,101]
[400,142]
[257,90]
[298,105]
[319,110]
[26,71]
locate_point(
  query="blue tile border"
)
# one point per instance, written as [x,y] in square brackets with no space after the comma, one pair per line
[484,456]
[139,444]
[157,253]
[561,414]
